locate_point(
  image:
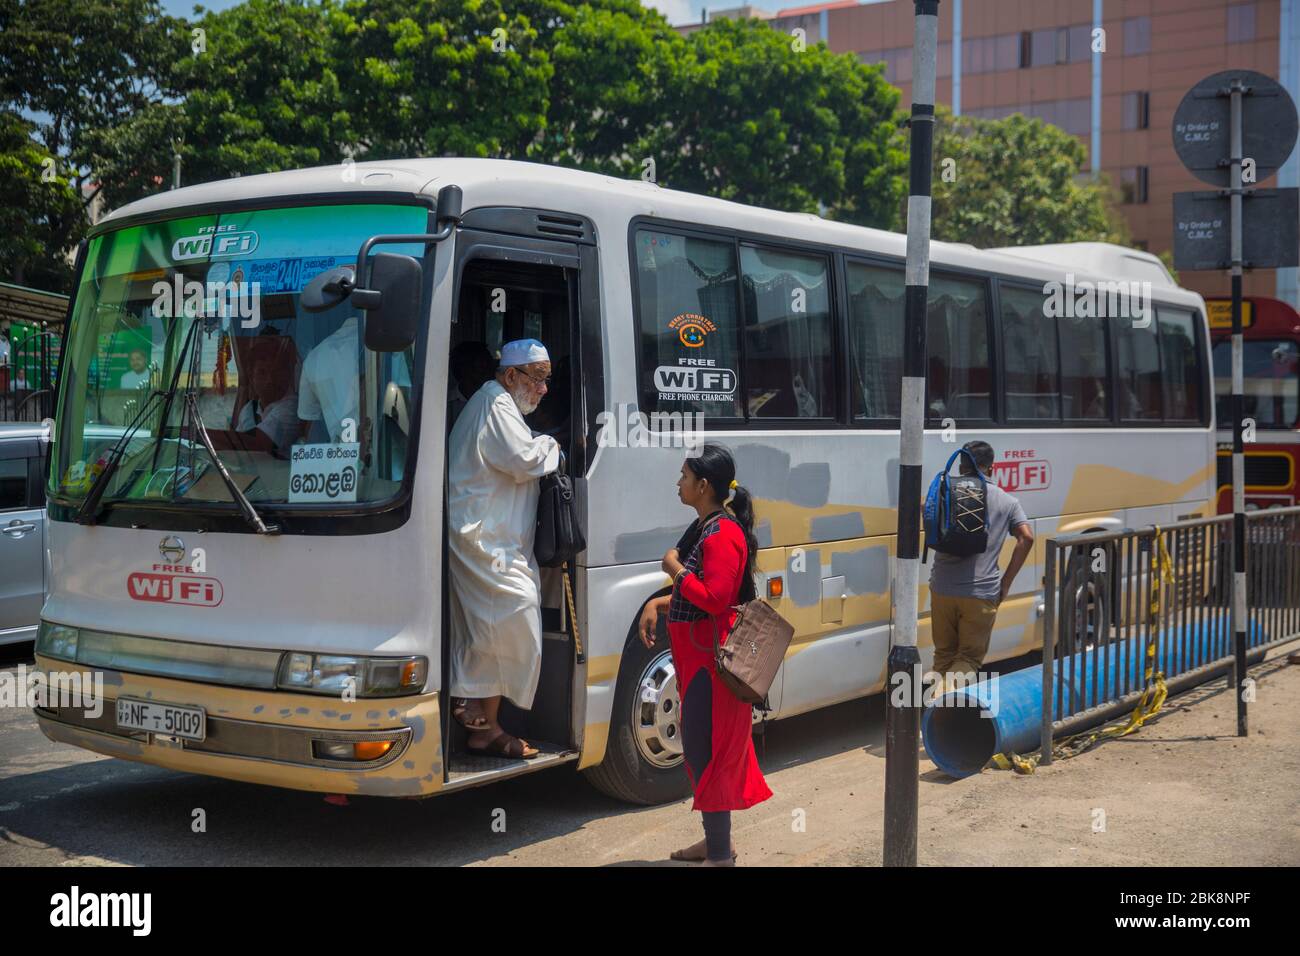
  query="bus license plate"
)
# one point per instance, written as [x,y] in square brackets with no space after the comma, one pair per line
[168,720]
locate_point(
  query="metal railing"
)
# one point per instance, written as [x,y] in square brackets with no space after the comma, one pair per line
[1121,605]
[27,383]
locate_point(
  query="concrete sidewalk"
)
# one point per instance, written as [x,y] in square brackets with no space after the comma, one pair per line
[1183,790]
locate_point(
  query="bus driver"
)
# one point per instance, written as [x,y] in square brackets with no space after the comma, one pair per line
[493,466]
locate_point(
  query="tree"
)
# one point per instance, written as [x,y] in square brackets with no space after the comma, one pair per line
[40,212]
[444,77]
[1016,182]
[748,115]
[81,66]
[262,92]
[613,62]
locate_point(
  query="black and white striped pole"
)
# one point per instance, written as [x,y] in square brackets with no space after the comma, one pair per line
[903,710]
[1238,406]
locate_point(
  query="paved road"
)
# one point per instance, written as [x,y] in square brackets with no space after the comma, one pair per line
[1184,788]
[60,805]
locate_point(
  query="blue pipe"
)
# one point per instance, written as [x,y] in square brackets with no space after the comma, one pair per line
[964,728]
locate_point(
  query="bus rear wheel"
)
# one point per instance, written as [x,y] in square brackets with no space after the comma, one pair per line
[643,757]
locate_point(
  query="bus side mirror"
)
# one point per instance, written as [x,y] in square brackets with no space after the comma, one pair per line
[391,301]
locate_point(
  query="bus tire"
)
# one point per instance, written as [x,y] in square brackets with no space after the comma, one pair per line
[1086,601]
[645,693]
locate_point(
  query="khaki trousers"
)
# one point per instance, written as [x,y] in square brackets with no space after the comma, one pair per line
[961,628]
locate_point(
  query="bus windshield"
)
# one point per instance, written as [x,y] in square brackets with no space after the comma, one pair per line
[198,320]
[1270,381]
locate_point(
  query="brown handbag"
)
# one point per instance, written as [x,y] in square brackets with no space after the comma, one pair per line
[748,659]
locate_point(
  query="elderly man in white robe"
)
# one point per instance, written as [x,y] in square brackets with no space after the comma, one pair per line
[494,465]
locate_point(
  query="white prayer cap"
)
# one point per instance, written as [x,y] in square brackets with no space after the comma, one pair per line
[523,352]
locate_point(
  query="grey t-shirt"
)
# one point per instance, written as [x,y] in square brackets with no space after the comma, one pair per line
[978,575]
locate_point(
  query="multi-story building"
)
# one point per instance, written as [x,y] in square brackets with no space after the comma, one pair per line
[1036,57]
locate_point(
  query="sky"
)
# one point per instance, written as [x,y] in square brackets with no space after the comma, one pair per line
[677,11]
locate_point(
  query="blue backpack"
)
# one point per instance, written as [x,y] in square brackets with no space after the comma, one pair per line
[956,511]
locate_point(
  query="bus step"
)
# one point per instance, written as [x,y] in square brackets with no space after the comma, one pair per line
[468,770]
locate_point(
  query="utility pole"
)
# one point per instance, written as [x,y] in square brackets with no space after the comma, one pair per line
[176,164]
[1238,406]
[903,717]
[1233,129]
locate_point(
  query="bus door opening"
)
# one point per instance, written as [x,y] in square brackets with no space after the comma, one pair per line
[499,302]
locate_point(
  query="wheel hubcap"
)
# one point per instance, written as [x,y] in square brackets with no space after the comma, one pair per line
[656,713]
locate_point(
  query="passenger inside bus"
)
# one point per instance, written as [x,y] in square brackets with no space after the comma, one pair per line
[265,416]
[469,365]
[502,302]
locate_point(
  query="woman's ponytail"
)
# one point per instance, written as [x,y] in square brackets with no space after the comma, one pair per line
[742,506]
[715,465]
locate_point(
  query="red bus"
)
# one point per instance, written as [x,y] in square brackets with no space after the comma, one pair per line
[1271,389]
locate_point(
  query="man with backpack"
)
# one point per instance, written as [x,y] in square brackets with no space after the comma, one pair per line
[966,589]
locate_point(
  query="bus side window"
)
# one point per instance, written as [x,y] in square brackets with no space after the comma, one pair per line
[1137,377]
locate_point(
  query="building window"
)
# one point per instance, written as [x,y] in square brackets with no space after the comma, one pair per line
[1056,45]
[1241,23]
[1137,35]
[1137,110]
[1074,116]
[1042,48]
[1080,43]
[1006,52]
[898,63]
[1133,185]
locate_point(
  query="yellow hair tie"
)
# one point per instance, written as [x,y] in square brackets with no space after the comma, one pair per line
[732,486]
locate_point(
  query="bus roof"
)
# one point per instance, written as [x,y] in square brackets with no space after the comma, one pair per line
[492,182]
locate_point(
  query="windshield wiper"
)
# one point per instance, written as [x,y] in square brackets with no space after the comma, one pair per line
[192,405]
[90,508]
[88,513]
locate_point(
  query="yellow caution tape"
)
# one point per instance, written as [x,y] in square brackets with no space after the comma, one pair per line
[1162,570]
[1148,705]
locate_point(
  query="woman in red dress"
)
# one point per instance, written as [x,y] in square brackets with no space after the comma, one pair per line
[712,569]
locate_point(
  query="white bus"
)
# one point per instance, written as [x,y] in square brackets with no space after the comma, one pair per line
[298,637]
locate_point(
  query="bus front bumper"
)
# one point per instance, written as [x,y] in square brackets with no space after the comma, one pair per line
[258,736]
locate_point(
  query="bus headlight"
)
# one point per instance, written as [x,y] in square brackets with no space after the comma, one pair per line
[333,674]
[57,640]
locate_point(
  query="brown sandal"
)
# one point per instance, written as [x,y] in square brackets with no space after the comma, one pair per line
[507,746]
[680,855]
[460,707]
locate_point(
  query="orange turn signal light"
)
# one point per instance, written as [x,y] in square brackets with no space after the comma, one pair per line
[775,586]
[371,749]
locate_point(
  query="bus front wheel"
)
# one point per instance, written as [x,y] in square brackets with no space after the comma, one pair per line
[643,757]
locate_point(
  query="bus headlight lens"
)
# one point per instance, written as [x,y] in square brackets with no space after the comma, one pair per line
[334,674]
[56,640]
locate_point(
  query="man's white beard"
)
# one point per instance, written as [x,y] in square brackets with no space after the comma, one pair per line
[523,399]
